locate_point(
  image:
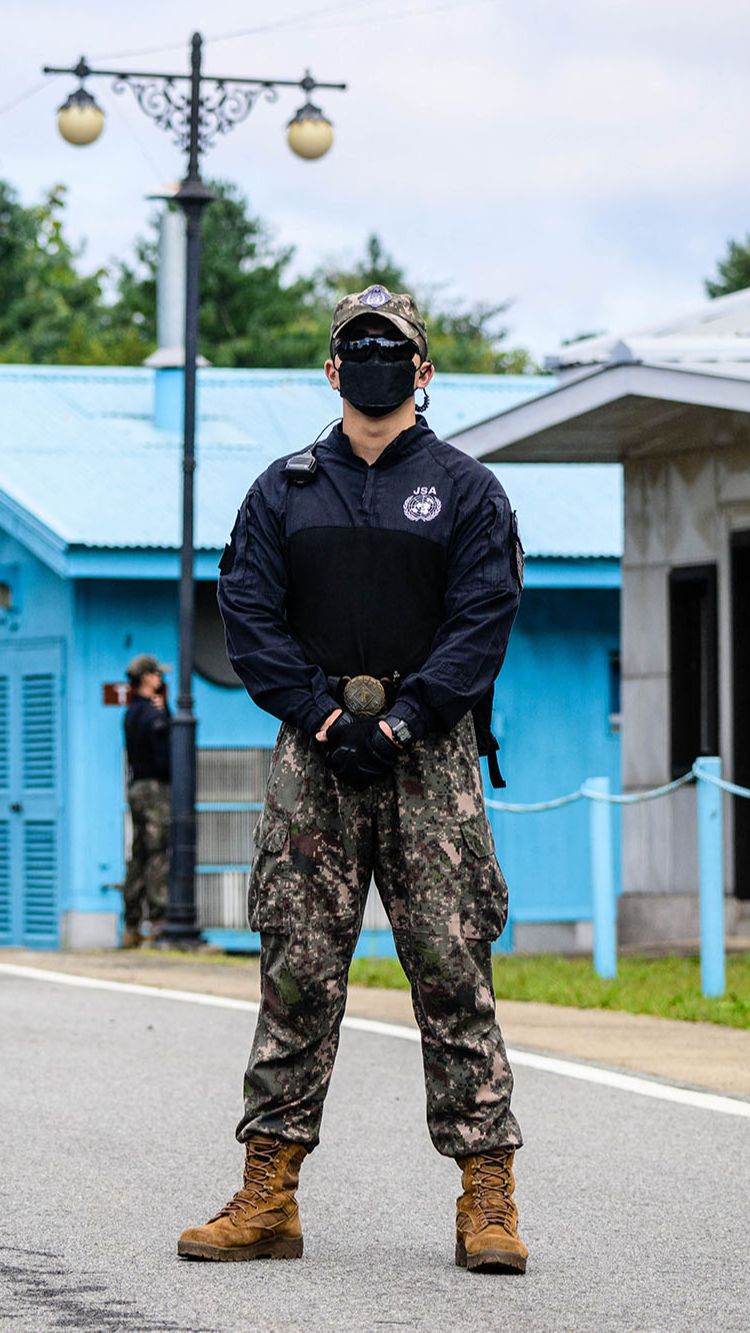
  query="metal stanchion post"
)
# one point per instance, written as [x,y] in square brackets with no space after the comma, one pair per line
[603,881]
[711,867]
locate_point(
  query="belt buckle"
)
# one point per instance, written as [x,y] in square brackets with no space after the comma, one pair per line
[364,695]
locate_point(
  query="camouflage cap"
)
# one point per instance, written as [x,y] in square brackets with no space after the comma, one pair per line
[398,308]
[143,662]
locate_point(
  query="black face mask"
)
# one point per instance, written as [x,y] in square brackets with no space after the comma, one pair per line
[375,387]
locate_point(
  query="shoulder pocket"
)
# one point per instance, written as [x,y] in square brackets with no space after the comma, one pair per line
[229,553]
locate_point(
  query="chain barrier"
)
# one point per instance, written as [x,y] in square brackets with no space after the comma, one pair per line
[630,798]
[706,773]
[554,804]
[731,787]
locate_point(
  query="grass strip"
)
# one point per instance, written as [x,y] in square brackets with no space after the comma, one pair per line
[667,987]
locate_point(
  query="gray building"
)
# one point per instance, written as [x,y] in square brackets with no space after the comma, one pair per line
[672,404]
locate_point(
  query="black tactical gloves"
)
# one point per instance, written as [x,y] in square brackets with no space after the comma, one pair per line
[358,752]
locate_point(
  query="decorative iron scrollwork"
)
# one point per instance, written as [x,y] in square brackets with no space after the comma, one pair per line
[225,105]
[221,106]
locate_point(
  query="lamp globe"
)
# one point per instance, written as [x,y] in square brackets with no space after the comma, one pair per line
[79,120]
[309,133]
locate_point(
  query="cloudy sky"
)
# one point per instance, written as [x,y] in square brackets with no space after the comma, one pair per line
[588,160]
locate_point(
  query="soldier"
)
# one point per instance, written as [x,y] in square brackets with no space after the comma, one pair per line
[147,726]
[368,593]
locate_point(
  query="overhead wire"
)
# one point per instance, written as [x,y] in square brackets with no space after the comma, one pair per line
[303,19]
[398,15]
[292,20]
[162,177]
[23,97]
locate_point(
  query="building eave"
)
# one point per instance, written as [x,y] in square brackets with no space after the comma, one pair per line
[43,542]
[599,417]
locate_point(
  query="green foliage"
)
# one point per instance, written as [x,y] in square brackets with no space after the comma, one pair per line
[470,340]
[463,339]
[253,312]
[668,987]
[45,304]
[375,265]
[733,270]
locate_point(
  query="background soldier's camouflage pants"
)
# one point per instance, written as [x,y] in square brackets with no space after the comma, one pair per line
[424,834]
[148,867]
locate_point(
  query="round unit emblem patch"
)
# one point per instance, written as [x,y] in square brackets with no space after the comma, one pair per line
[422,505]
[375,296]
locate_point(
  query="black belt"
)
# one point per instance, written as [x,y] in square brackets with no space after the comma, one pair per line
[368,695]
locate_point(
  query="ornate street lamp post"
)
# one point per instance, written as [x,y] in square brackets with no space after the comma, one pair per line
[195,116]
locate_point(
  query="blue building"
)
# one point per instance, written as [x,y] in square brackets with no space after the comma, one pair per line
[89,535]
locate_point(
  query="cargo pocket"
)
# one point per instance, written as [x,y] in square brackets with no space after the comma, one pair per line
[484,892]
[269,883]
[475,834]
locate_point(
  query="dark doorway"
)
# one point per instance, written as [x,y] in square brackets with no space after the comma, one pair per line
[694,665]
[741,701]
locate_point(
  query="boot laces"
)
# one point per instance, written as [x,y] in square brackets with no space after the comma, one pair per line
[494,1188]
[256,1181]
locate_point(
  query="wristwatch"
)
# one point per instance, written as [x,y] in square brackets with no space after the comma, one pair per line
[401,733]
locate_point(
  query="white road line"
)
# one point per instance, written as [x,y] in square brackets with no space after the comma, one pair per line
[585,1073]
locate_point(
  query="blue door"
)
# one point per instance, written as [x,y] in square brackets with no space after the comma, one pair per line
[30,794]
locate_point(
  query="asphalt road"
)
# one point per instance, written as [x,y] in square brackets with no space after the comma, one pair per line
[117,1114]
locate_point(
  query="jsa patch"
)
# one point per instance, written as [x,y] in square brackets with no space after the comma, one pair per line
[422,505]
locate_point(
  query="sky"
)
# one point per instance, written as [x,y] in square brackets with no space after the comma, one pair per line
[587,161]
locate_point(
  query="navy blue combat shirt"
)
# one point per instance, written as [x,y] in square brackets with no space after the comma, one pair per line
[409,568]
[147,739]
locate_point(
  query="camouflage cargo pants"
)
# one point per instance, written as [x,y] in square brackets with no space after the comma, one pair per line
[148,867]
[424,835]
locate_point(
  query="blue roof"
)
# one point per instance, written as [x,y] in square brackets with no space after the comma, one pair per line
[80,453]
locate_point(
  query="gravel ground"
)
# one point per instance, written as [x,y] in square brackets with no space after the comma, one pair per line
[118,1113]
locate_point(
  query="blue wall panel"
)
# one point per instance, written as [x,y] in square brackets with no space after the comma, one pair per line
[551,715]
[552,706]
[35,636]
[115,620]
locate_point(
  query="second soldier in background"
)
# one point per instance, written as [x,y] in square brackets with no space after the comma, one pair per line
[147,739]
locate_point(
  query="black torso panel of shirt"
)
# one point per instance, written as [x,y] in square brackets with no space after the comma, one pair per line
[366,576]
[147,740]
[364,599]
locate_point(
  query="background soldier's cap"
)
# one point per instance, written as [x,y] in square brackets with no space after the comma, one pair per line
[397,307]
[143,662]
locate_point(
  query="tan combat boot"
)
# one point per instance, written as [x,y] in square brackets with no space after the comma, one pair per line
[486,1216]
[262,1220]
[131,938]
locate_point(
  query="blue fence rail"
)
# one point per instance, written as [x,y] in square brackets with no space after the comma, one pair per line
[706,773]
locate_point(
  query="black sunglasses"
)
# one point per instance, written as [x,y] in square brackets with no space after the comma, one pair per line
[387,349]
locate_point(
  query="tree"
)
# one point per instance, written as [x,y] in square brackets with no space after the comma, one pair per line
[48,310]
[333,282]
[251,315]
[733,270]
[465,339]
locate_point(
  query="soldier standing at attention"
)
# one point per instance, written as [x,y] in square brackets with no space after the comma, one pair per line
[147,726]
[368,593]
